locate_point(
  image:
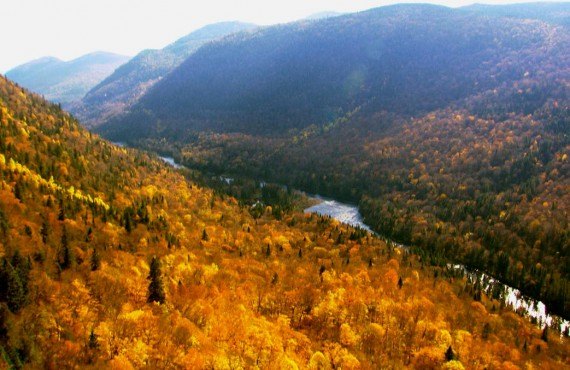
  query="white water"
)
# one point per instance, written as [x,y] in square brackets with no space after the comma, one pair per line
[345,213]
[513,298]
[170,161]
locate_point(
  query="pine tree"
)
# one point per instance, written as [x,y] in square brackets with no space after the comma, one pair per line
[44,231]
[449,354]
[128,225]
[61,214]
[65,256]
[15,294]
[22,266]
[205,236]
[95,260]
[155,288]
[544,335]
[93,341]
[486,330]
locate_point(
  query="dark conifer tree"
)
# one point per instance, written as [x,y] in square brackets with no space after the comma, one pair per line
[449,354]
[544,335]
[15,294]
[65,256]
[155,288]
[95,260]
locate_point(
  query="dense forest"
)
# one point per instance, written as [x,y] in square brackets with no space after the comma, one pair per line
[464,158]
[110,258]
[403,59]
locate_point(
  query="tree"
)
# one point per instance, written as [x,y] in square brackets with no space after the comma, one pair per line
[95,260]
[61,214]
[544,335]
[449,354]
[65,256]
[15,293]
[44,231]
[93,340]
[155,288]
[205,236]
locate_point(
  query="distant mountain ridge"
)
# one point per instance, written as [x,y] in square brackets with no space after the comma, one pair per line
[550,12]
[129,82]
[405,59]
[62,81]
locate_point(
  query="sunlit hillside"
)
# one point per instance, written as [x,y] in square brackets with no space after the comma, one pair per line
[111,259]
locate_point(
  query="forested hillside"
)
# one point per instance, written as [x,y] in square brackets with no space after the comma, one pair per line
[465,158]
[111,259]
[65,82]
[402,59]
[128,83]
[550,12]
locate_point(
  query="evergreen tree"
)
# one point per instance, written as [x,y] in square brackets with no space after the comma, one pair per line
[93,340]
[449,354]
[61,214]
[65,256]
[128,224]
[44,231]
[205,236]
[95,260]
[18,190]
[15,293]
[544,335]
[486,331]
[22,266]
[155,288]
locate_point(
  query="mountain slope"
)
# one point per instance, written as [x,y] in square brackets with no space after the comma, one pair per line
[65,82]
[466,158]
[125,86]
[550,12]
[404,59]
[110,259]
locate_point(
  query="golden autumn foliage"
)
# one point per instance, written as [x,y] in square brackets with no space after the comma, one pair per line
[89,233]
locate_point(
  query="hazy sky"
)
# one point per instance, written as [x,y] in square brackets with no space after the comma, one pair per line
[70,28]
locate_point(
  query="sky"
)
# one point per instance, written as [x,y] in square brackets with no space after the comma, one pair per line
[67,29]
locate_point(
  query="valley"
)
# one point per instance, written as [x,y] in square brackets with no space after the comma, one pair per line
[387,188]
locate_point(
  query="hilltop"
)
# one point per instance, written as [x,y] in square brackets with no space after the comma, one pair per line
[128,83]
[64,82]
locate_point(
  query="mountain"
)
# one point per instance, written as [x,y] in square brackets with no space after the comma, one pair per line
[109,258]
[64,82]
[551,12]
[322,15]
[450,129]
[404,59]
[129,82]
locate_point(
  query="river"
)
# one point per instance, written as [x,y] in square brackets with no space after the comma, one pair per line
[513,298]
